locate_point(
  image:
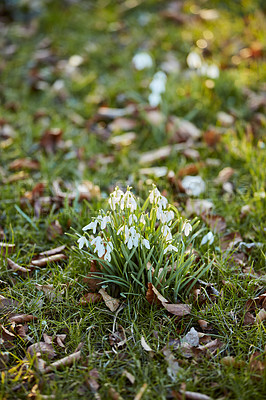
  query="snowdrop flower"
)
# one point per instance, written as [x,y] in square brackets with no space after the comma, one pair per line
[145,243]
[211,71]
[170,215]
[187,228]
[92,225]
[194,60]
[167,233]
[154,195]
[142,219]
[169,248]
[154,99]
[104,220]
[99,246]
[82,241]
[158,82]
[193,185]
[128,201]
[142,60]
[115,198]
[132,218]
[209,238]
[109,248]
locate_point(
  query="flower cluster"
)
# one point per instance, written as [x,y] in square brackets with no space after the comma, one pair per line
[157,87]
[131,227]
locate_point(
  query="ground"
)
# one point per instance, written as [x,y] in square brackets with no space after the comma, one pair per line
[70,91]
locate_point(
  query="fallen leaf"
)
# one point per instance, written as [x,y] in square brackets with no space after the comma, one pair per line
[178,309]
[154,117]
[195,395]
[6,337]
[173,366]
[118,338]
[153,296]
[44,261]
[51,140]
[230,240]
[212,137]
[161,153]
[261,316]
[224,175]
[181,130]
[123,140]
[15,267]
[191,154]
[90,298]
[92,381]
[158,172]
[54,230]
[7,248]
[7,304]
[111,303]
[129,376]
[122,124]
[216,222]
[21,318]
[114,395]
[191,169]
[249,319]
[192,338]
[42,348]
[141,392]
[69,360]
[54,251]
[93,280]
[112,113]
[225,119]
[144,344]
[24,163]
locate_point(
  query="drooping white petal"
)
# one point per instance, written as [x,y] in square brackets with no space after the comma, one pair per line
[208,238]
[187,228]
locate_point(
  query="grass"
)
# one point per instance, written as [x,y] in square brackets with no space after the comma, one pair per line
[107,35]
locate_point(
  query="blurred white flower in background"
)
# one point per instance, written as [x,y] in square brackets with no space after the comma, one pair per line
[193,185]
[209,238]
[194,60]
[142,60]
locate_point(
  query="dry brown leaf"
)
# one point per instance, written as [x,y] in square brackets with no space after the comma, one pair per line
[111,113]
[230,240]
[191,169]
[144,344]
[154,117]
[42,348]
[7,304]
[224,175]
[211,346]
[123,140]
[111,303]
[173,366]
[249,319]
[216,222]
[19,176]
[48,339]
[60,339]
[129,376]
[24,163]
[6,337]
[181,130]
[153,296]
[51,140]
[92,381]
[114,395]
[90,298]
[69,360]
[93,280]
[191,154]
[15,267]
[7,248]
[54,251]
[44,261]
[21,318]
[211,137]
[178,309]
[118,338]
[122,124]
[141,391]
[54,230]
[261,316]
[195,395]
[161,153]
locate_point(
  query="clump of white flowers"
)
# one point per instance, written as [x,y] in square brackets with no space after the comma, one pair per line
[133,244]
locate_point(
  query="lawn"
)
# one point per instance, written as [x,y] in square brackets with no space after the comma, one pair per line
[96,95]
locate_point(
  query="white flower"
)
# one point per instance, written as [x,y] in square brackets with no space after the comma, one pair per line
[157,85]
[145,243]
[170,215]
[207,238]
[169,248]
[166,233]
[92,225]
[132,218]
[142,219]
[109,248]
[115,198]
[128,201]
[104,220]
[193,60]
[154,195]
[142,60]
[187,228]
[82,241]
[154,99]
[193,185]
[211,71]
[99,246]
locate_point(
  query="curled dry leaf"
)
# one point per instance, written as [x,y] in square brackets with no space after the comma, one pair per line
[92,280]
[69,360]
[51,140]
[24,163]
[123,140]
[261,316]
[249,319]
[122,124]
[129,376]
[144,344]
[179,310]
[42,348]
[111,303]
[195,395]
[118,338]
[21,318]
[141,392]
[45,260]
[192,338]
[230,240]
[6,337]
[7,248]
[216,222]
[161,153]
[191,169]
[153,296]
[16,267]
[212,137]
[92,381]
[54,251]
[7,304]
[90,298]
[224,175]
